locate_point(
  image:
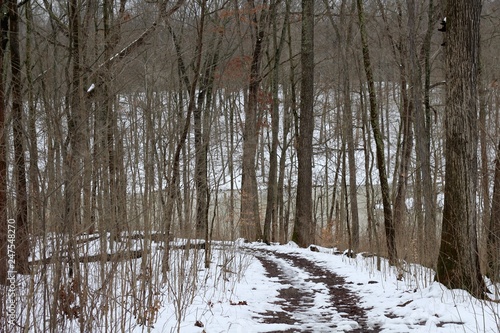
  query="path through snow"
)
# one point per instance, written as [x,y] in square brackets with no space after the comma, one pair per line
[313,299]
[287,289]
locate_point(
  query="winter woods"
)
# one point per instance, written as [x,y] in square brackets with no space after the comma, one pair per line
[125,125]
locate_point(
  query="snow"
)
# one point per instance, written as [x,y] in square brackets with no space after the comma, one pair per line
[409,305]
[234,294]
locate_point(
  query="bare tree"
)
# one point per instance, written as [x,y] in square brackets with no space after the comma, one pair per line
[349,125]
[22,237]
[172,179]
[271,206]
[423,131]
[379,143]
[250,220]
[202,130]
[406,133]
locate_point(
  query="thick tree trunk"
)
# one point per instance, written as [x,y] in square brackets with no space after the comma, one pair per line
[458,261]
[304,229]
[250,220]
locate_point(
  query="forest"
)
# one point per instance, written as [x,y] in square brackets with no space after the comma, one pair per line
[130,129]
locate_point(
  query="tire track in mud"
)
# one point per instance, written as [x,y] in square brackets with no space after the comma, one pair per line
[303,282]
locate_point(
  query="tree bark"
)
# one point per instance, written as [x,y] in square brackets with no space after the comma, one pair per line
[271,206]
[407,107]
[423,138]
[250,220]
[72,147]
[304,229]
[22,234]
[458,260]
[4,27]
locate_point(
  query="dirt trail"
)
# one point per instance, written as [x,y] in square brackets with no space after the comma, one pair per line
[313,299]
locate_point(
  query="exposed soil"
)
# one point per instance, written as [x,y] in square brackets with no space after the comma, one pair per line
[295,302]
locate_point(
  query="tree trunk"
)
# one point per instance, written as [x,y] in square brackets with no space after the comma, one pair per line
[493,229]
[22,234]
[458,261]
[250,221]
[35,200]
[202,136]
[173,178]
[349,127]
[379,143]
[271,206]
[399,216]
[407,108]
[304,229]
[423,139]
[4,27]
[290,110]
[72,152]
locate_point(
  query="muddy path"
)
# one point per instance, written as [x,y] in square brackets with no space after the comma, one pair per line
[313,299]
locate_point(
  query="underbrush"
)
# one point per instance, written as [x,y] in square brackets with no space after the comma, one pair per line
[119,290]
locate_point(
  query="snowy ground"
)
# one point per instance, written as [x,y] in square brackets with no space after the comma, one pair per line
[414,304]
[248,288]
